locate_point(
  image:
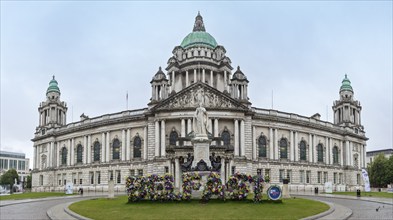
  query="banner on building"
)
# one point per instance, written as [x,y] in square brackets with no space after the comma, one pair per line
[366,180]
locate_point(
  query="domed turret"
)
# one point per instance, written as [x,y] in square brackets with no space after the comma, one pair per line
[346,85]
[53,86]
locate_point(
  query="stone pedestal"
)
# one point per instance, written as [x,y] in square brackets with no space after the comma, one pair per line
[111,189]
[201,152]
[285,191]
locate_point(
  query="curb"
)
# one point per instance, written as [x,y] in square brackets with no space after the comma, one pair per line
[325,213]
[349,197]
[74,214]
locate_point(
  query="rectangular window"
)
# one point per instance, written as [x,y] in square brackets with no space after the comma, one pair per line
[233,170]
[166,169]
[259,172]
[340,178]
[74,178]
[41,180]
[64,182]
[80,181]
[110,172]
[282,173]
[267,172]
[91,178]
[118,176]
[325,177]
[80,178]
[140,172]
[335,178]
[289,175]
[319,176]
[59,182]
[301,174]
[59,179]
[98,174]
[308,176]
[132,172]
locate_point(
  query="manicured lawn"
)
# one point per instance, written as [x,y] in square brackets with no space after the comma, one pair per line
[118,208]
[33,195]
[366,194]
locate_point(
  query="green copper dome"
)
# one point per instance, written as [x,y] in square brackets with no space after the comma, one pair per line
[346,85]
[199,36]
[53,86]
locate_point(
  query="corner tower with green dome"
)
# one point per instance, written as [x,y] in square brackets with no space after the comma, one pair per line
[53,112]
[347,109]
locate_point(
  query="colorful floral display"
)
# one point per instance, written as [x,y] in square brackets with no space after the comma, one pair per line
[191,181]
[161,188]
[213,187]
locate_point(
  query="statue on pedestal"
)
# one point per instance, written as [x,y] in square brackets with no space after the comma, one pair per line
[200,116]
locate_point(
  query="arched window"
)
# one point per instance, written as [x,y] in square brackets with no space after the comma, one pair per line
[262,146]
[320,152]
[64,156]
[79,150]
[96,149]
[283,148]
[226,138]
[137,147]
[335,155]
[173,137]
[303,150]
[116,149]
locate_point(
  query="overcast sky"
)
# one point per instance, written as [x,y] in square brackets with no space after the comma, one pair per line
[99,50]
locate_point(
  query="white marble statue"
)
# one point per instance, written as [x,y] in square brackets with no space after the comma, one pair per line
[200,117]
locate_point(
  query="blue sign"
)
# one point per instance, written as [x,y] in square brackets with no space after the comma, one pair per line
[274,193]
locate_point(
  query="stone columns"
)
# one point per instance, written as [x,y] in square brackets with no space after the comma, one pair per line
[183,128]
[189,125]
[89,149]
[69,153]
[210,125]
[72,151]
[107,147]
[163,151]
[225,80]
[276,147]
[310,149]
[145,142]
[254,147]
[271,141]
[236,131]
[350,153]
[177,174]
[123,145]
[58,150]
[103,148]
[157,139]
[35,157]
[341,154]
[203,76]
[187,83]
[296,147]
[84,160]
[128,150]
[292,147]
[215,127]
[327,155]
[50,151]
[242,136]
[195,75]
[211,78]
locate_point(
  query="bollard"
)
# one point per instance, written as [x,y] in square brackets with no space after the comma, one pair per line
[358,193]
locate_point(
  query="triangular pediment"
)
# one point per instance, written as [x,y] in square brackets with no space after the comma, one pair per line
[190,97]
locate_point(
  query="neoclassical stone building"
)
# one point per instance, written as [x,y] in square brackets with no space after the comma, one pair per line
[157,139]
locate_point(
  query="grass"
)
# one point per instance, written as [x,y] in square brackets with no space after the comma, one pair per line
[366,194]
[118,208]
[33,195]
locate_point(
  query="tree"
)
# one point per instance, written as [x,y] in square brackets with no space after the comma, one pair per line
[28,182]
[378,171]
[389,174]
[8,178]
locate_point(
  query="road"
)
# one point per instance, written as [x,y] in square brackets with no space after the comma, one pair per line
[361,209]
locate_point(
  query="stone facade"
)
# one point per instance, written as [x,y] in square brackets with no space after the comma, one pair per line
[157,140]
